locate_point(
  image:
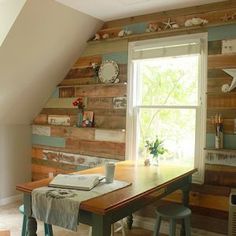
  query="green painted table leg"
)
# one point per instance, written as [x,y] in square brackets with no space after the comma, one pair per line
[185,201]
[32,226]
[101,225]
[129,221]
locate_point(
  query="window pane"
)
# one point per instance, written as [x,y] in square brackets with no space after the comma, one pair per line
[169,81]
[176,127]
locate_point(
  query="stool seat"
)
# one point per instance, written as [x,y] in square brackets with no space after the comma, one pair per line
[173,212]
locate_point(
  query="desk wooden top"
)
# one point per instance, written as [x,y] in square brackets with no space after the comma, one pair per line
[145,181]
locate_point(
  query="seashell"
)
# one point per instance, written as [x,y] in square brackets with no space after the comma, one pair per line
[175,26]
[97,37]
[195,21]
[105,36]
[121,33]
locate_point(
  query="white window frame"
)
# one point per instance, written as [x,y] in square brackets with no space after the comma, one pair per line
[132,90]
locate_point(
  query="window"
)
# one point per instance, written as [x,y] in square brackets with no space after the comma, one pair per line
[166,98]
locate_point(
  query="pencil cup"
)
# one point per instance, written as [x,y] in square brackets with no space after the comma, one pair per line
[109,171]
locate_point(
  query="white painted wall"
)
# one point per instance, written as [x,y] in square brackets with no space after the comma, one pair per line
[9,10]
[15,158]
[40,48]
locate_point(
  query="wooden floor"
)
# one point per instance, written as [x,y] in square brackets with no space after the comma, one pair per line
[11,219]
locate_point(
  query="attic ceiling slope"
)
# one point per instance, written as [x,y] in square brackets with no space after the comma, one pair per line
[41,47]
[108,10]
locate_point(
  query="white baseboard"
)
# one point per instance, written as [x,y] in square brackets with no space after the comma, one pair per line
[148,223]
[12,199]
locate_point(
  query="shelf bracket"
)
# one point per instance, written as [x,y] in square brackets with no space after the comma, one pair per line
[226,87]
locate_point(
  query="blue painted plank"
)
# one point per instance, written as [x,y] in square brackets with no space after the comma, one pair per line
[118,57]
[229,141]
[55,93]
[48,141]
[137,28]
[222,32]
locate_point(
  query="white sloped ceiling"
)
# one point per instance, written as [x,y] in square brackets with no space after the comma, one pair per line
[42,45]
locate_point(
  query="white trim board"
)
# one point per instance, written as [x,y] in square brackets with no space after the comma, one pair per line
[148,223]
[12,199]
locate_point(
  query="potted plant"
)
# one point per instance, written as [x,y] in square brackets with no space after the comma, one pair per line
[155,148]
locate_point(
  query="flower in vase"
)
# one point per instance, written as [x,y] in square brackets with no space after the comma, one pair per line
[155,147]
[78,103]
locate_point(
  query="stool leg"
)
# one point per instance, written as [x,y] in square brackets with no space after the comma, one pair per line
[48,229]
[90,230]
[157,226]
[24,225]
[172,227]
[187,226]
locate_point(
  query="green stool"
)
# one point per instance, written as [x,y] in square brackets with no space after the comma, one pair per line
[172,213]
[47,227]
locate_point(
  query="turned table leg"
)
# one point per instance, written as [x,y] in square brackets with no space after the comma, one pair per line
[129,221]
[32,226]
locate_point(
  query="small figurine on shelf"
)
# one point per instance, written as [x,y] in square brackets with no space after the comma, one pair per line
[95,68]
[217,121]
[79,103]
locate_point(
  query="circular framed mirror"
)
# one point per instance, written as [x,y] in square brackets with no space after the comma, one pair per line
[108,72]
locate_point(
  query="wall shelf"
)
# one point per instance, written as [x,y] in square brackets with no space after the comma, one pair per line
[220,151]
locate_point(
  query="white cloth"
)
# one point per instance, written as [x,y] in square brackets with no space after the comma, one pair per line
[60,207]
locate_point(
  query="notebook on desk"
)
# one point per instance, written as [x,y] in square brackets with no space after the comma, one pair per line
[76,181]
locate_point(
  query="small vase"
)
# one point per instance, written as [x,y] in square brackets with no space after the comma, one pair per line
[155,161]
[80,117]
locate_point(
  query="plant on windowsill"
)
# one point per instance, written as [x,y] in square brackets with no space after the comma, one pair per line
[155,148]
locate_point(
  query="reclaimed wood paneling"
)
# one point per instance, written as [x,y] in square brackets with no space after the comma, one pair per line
[110,122]
[228,126]
[60,103]
[67,92]
[41,119]
[104,47]
[117,90]
[222,61]
[74,132]
[223,100]
[220,175]
[87,61]
[97,148]
[110,135]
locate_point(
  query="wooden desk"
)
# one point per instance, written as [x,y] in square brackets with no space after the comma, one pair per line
[149,183]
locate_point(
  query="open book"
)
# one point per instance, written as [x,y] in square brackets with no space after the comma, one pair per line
[76,181]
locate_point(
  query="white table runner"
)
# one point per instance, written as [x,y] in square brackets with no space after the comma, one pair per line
[60,207]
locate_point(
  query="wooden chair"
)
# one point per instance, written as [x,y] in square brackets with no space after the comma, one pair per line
[47,227]
[172,213]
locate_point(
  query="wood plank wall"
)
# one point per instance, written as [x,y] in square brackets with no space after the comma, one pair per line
[66,148]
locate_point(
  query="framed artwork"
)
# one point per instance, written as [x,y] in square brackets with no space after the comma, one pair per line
[87,119]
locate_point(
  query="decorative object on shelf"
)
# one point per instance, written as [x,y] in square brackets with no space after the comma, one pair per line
[124,33]
[119,102]
[175,26]
[226,87]
[228,46]
[108,72]
[195,21]
[155,148]
[227,17]
[87,119]
[97,37]
[217,121]
[59,120]
[169,24]
[79,103]
[95,67]
[105,36]
[153,27]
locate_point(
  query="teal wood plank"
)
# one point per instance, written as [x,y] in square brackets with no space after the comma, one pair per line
[137,28]
[222,32]
[229,141]
[118,57]
[48,141]
[55,93]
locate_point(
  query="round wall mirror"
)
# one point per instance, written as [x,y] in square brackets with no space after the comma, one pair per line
[108,72]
